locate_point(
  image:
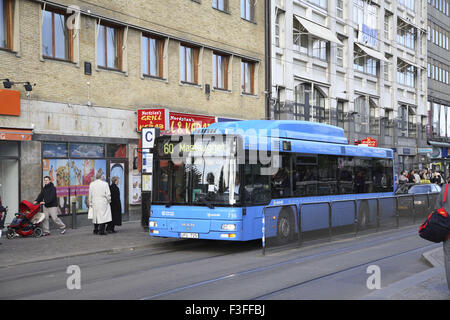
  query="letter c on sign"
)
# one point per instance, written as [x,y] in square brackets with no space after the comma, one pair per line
[149,136]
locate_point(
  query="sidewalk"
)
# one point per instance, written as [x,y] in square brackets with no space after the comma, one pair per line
[74,242]
[427,285]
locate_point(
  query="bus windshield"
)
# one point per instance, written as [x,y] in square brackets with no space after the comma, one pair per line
[196,171]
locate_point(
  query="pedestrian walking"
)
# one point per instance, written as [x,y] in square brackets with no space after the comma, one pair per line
[116,206]
[403,177]
[48,199]
[99,204]
[446,245]
[3,211]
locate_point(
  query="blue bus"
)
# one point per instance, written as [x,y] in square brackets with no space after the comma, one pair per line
[215,183]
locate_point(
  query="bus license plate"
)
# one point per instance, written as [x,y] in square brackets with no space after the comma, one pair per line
[189,235]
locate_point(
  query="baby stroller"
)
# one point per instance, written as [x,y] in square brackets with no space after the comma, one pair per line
[27,222]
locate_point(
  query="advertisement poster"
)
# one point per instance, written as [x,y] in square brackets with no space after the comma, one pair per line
[146,182]
[117,170]
[135,193]
[71,178]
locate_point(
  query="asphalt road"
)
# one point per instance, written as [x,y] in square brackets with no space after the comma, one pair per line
[222,270]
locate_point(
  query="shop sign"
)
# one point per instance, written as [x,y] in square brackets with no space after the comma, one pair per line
[153,118]
[15,134]
[181,123]
[424,150]
[9,102]
[172,122]
[370,142]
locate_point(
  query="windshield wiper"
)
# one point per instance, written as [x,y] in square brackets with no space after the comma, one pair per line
[205,201]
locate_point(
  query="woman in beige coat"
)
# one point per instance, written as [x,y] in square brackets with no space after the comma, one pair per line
[99,200]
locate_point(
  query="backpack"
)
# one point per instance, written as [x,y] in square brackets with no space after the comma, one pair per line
[437,226]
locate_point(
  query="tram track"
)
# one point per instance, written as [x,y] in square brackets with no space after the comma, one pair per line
[186,260]
[274,266]
[331,274]
[113,259]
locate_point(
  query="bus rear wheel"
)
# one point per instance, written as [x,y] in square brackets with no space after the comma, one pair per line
[285,227]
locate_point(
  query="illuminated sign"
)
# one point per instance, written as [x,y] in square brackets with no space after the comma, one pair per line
[172,122]
[205,149]
[153,118]
[370,142]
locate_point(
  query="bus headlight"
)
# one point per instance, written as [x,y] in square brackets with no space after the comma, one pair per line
[229,227]
[153,224]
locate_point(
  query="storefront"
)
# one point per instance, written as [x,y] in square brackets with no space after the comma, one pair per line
[72,164]
[10,165]
[10,176]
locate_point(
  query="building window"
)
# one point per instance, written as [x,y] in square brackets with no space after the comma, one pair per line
[362,115]
[340,114]
[6,24]
[340,56]
[358,11]
[303,109]
[56,37]
[319,107]
[406,35]
[407,123]
[340,9]
[189,64]
[319,49]
[152,56]
[220,71]
[221,5]
[300,37]
[248,77]
[109,47]
[409,3]
[406,74]
[387,26]
[319,3]
[279,37]
[364,63]
[248,10]
[374,119]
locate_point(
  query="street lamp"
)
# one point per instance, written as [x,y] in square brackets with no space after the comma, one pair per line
[26,84]
[7,84]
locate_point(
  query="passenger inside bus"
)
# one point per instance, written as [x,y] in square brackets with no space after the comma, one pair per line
[281,184]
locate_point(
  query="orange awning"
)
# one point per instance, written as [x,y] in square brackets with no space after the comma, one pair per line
[16,134]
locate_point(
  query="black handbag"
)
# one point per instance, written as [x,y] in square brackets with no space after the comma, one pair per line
[437,226]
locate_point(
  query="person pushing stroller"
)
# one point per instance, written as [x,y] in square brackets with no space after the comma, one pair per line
[47,197]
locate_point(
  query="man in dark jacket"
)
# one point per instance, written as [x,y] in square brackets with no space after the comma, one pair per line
[47,197]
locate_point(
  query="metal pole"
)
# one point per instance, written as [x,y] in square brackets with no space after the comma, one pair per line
[268,56]
[264,232]
[355,206]
[397,216]
[329,221]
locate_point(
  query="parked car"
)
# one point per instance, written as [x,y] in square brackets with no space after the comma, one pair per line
[425,196]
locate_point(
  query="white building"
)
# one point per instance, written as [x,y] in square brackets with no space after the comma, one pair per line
[358,64]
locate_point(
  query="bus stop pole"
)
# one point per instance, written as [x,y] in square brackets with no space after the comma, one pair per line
[264,232]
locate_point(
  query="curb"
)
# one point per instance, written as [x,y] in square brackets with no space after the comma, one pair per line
[397,287]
